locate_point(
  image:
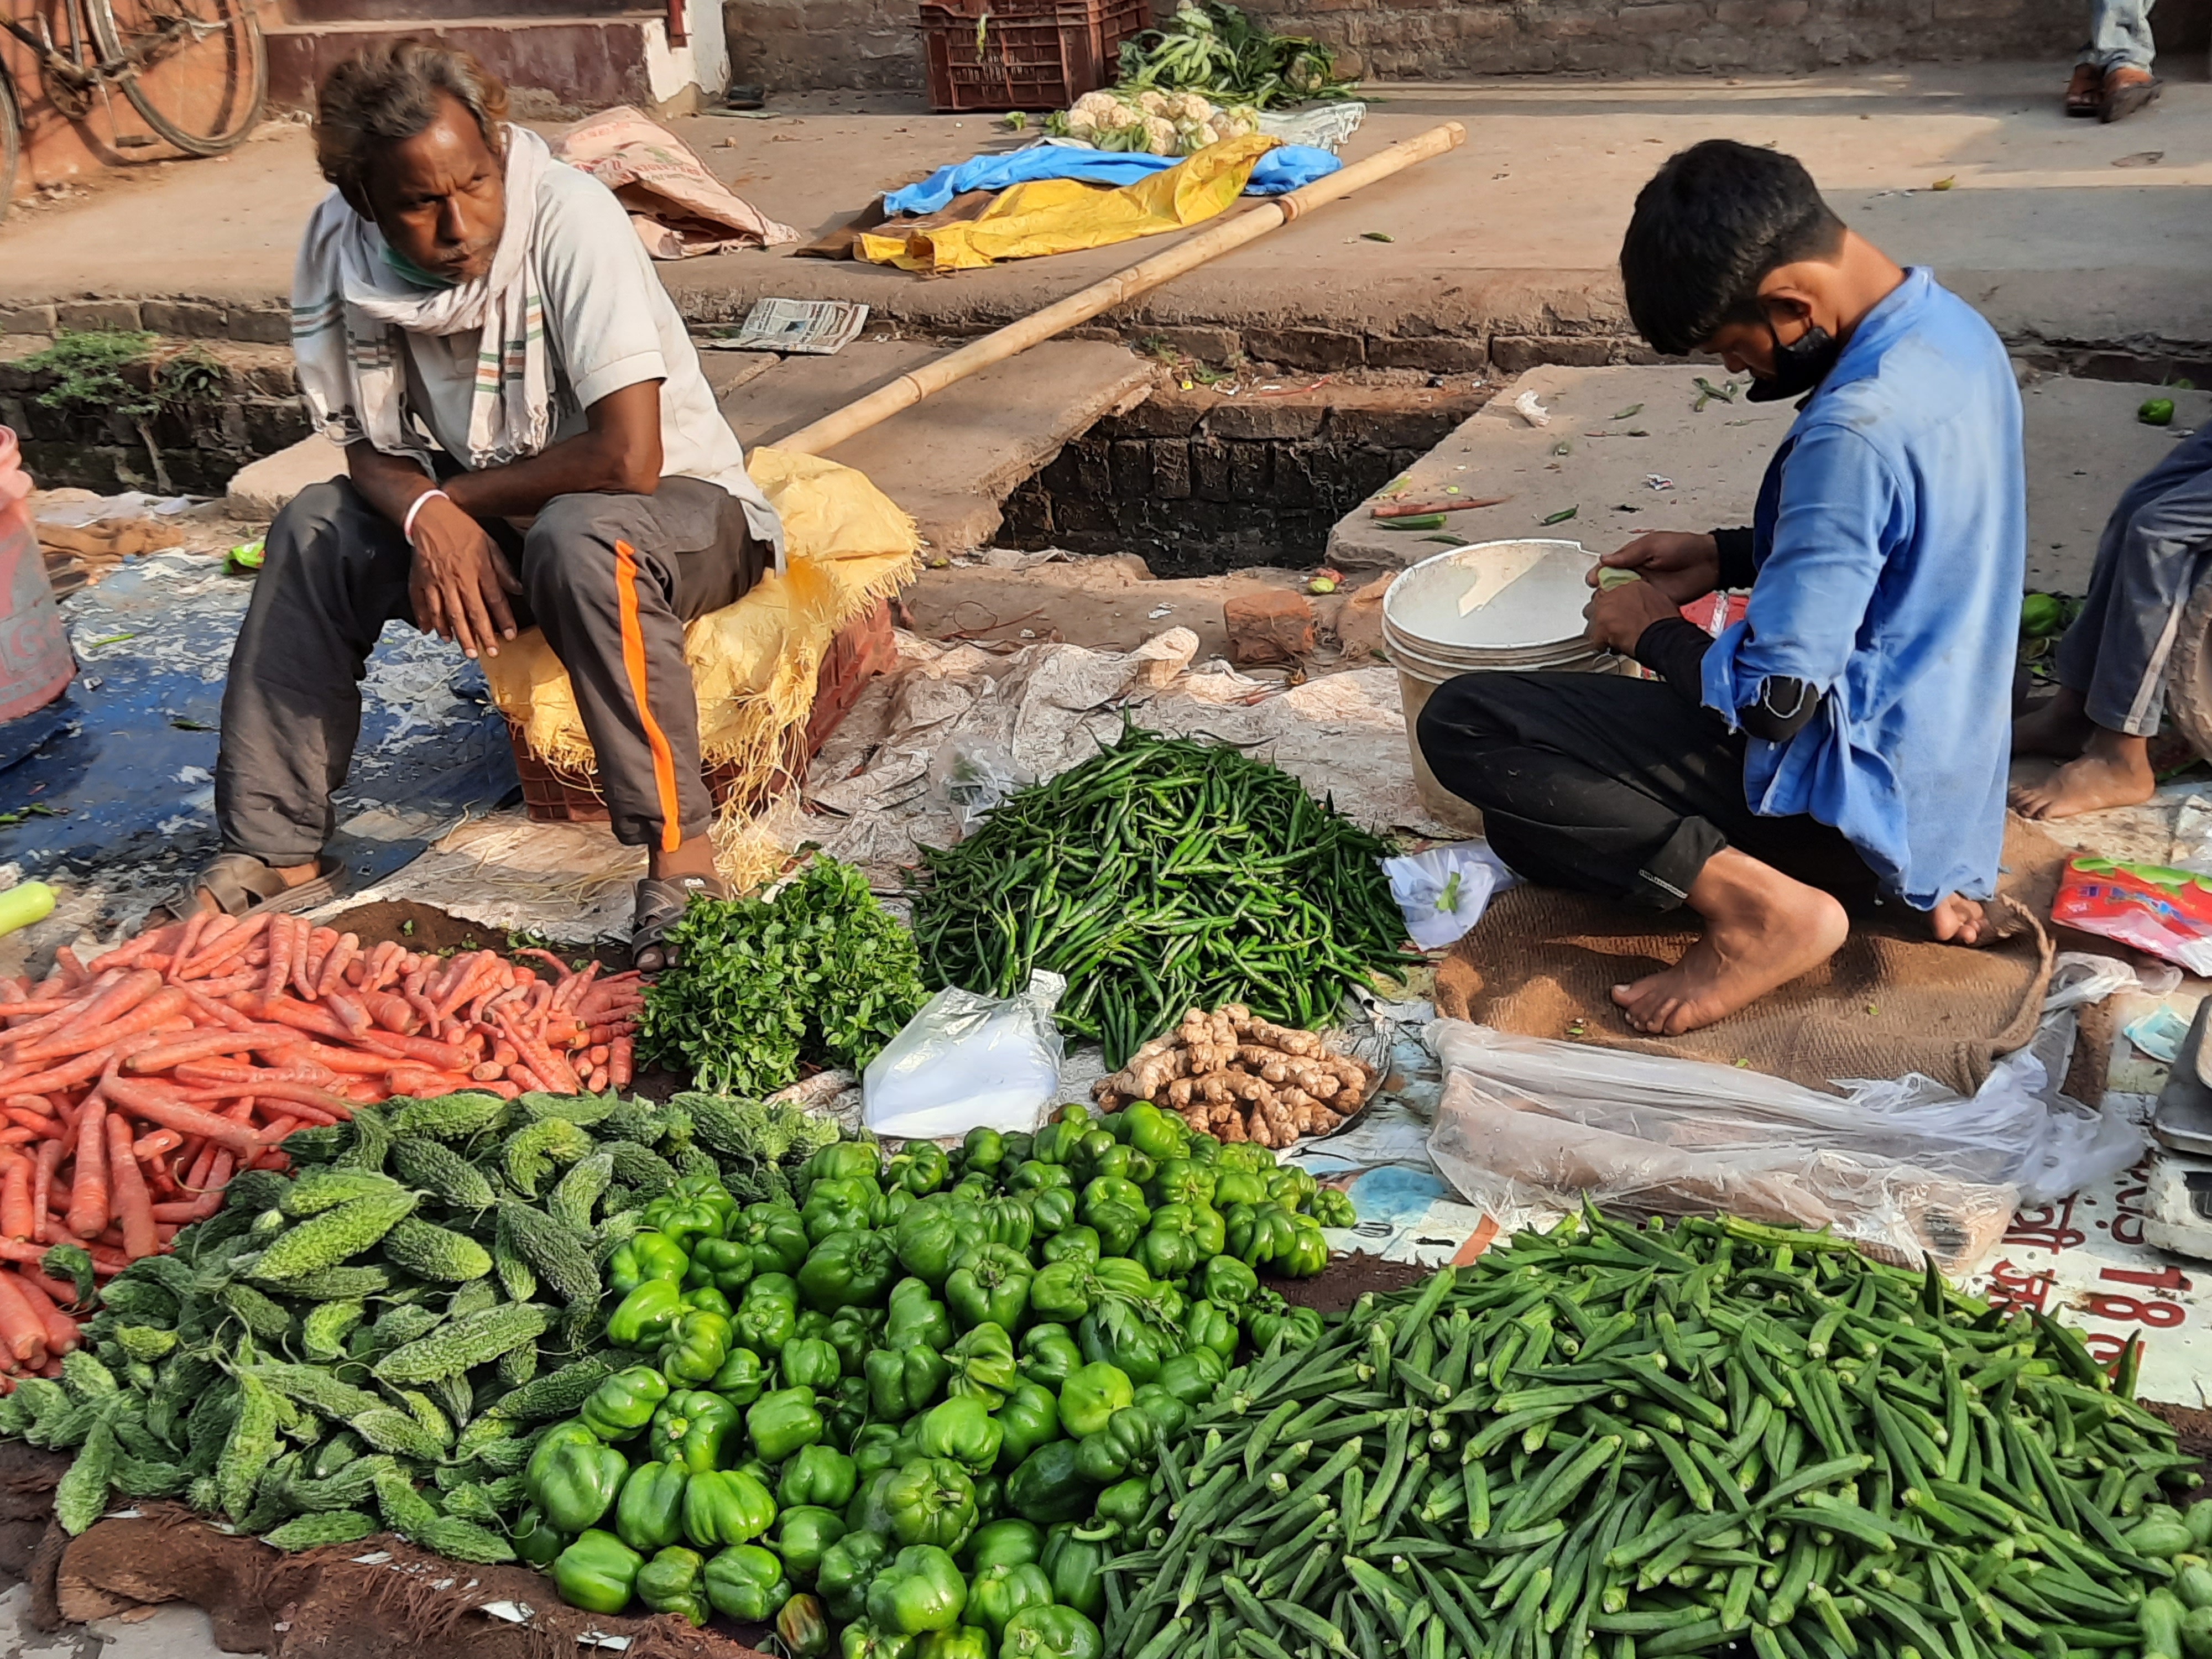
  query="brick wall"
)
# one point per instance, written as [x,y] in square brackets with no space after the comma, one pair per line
[837,46]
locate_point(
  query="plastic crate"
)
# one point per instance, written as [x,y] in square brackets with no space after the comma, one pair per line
[1025,54]
[862,649]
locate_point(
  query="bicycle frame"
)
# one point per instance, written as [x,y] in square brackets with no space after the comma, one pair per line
[106,72]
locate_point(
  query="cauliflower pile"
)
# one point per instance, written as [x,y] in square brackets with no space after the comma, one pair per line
[1156,123]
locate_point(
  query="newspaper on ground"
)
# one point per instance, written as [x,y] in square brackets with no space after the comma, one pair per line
[816,328]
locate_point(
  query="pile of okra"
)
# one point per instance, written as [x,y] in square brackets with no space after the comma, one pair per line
[1614,1442]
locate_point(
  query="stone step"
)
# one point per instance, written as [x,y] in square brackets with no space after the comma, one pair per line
[587,61]
[952,460]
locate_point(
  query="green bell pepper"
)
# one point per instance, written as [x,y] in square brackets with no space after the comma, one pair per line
[919,1590]
[1062,1291]
[643,1319]
[921,1168]
[926,1239]
[1234,1185]
[848,1568]
[598,1572]
[642,1256]
[768,1313]
[1116,1207]
[781,1421]
[573,1478]
[870,1510]
[693,1428]
[996,1593]
[974,1187]
[1298,1327]
[1123,1504]
[931,1501]
[1104,1156]
[845,1410]
[990,1282]
[885,1209]
[1056,1142]
[803,1536]
[1227,1282]
[862,1640]
[1018,1147]
[706,1298]
[850,1333]
[802,1628]
[725,1506]
[1169,1248]
[903,1381]
[741,1378]
[1168,1414]
[775,1234]
[1048,1487]
[820,1476]
[990,1498]
[1092,1395]
[1180,1181]
[649,1514]
[1035,1176]
[1158,1135]
[961,1641]
[917,1316]
[1049,1355]
[1290,1187]
[1029,1419]
[1127,1445]
[962,1430]
[1191,1374]
[1259,1232]
[1332,1206]
[672,1582]
[809,1362]
[683,1219]
[1076,1565]
[1052,1212]
[840,1160]
[535,1539]
[624,1403]
[723,1264]
[838,1206]
[1209,1325]
[982,1149]
[876,1446]
[983,1365]
[1007,1221]
[698,1342]
[1009,1542]
[1248,1156]
[1051,1632]
[1204,1149]
[1307,1253]
[746,1583]
[1114,1332]
[813,1325]
[848,1270]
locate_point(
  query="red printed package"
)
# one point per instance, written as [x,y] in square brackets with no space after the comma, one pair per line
[2166,912]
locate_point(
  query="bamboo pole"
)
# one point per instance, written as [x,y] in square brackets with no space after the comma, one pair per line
[935,375]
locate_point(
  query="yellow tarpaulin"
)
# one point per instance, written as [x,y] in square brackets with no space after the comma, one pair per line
[753,664]
[1059,216]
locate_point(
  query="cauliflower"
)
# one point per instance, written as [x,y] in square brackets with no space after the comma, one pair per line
[1152,103]
[1188,106]
[1238,121]
[1160,137]
[1096,107]
[1080,124]
[1205,135]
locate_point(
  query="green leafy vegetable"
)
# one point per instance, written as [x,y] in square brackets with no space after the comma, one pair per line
[1215,49]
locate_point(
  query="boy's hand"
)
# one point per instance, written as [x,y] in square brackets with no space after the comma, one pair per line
[1619,614]
[1682,566]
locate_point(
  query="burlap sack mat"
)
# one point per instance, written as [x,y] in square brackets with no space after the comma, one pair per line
[1542,962]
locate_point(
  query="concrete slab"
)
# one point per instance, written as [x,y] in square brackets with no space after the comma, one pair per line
[261,487]
[952,461]
[2084,447]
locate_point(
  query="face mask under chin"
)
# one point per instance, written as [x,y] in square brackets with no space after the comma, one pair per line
[1799,366]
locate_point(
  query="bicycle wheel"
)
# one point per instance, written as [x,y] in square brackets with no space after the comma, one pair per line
[196,69]
[11,143]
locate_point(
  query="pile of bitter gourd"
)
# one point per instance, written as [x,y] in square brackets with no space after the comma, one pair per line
[1608,1442]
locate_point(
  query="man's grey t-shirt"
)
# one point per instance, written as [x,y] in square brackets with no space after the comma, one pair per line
[609,324]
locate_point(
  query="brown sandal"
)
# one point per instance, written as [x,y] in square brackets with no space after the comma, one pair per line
[661,905]
[2128,89]
[242,885]
[2085,92]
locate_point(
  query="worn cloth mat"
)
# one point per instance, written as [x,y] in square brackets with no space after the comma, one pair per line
[677,207]
[1543,963]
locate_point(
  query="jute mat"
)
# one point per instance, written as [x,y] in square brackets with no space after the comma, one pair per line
[1543,963]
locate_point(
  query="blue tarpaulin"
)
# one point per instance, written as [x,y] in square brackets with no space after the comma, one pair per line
[1286,167]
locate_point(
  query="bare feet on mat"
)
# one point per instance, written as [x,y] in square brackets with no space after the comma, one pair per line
[2111,770]
[1961,920]
[1762,930]
[2057,726]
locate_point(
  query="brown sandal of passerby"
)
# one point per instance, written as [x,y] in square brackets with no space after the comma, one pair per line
[2128,89]
[2085,92]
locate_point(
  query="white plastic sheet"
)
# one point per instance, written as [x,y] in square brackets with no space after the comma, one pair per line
[967,1061]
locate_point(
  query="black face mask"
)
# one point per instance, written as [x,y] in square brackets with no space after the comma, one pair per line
[1799,366]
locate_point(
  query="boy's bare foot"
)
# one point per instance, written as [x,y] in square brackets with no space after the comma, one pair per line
[1762,930]
[1961,920]
[2112,770]
[2057,726]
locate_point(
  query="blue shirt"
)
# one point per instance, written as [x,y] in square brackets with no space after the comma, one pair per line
[1891,546]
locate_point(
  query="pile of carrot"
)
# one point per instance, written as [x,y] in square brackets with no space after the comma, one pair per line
[132,1086]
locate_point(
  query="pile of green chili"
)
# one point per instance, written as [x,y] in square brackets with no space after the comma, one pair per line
[1161,874]
[1608,1442]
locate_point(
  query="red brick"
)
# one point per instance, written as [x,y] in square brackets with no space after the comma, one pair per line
[1270,626]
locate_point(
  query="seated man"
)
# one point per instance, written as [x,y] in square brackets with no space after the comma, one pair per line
[2112,663]
[1845,741]
[528,439]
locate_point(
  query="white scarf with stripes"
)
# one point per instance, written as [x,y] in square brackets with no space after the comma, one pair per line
[349,307]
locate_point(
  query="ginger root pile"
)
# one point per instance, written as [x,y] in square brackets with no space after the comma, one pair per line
[1239,1078]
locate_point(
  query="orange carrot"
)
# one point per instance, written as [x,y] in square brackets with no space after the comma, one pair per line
[127,953]
[151,1101]
[22,1333]
[16,1200]
[620,1062]
[393,1013]
[307,952]
[265,1088]
[150,1015]
[195,925]
[38,1104]
[351,1014]
[87,1207]
[42,1186]
[235,1079]
[73,1008]
[63,1295]
[203,1046]
[148,1147]
[133,1204]
[334,965]
[44,1297]
[280,956]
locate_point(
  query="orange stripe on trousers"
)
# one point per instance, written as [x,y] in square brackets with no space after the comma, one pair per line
[633,640]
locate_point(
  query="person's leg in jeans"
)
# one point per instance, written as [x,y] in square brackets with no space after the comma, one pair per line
[1622,788]
[2112,662]
[2112,79]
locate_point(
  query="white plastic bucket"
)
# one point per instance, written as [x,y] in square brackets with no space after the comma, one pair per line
[1486,608]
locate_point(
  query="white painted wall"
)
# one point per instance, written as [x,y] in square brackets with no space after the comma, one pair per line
[702,61]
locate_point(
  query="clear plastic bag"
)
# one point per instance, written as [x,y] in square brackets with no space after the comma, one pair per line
[974,774]
[1529,1127]
[967,1061]
[1443,891]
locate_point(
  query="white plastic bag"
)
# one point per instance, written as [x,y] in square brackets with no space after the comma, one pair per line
[1443,891]
[966,1061]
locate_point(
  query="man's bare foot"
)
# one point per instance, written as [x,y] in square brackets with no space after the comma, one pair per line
[1961,920]
[2113,769]
[2057,726]
[1762,930]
